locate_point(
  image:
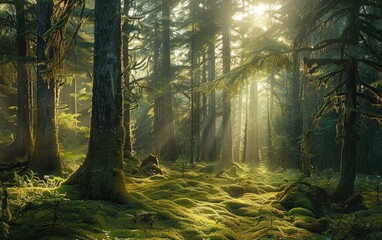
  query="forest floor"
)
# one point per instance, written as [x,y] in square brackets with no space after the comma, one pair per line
[201,201]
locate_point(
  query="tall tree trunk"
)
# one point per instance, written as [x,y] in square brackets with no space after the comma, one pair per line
[345,187]
[22,146]
[252,155]
[239,127]
[193,80]
[128,146]
[45,158]
[307,138]
[211,145]
[271,155]
[168,148]
[227,154]
[296,111]
[157,123]
[101,175]
[245,137]
[204,116]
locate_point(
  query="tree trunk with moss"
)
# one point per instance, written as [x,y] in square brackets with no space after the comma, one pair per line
[164,118]
[227,154]
[128,147]
[296,108]
[252,154]
[22,145]
[101,175]
[45,158]
[345,187]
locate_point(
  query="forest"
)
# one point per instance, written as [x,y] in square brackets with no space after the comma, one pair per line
[191,119]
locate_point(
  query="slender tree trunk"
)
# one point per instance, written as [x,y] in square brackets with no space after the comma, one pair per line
[227,154]
[157,123]
[245,138]
[22,146]
[306,141]
[345,187]
[101,175]
[239,127]
[45,158]
[193,74]
[128,146]
[168,148]
[197,114]
[211,145]
[296,111]
[252,155]
[271,153]
[204,116]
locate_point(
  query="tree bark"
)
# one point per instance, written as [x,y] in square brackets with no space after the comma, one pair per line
[128,146]
[227,154]
[45,158]
[296,108]
[168,147]
[345,187]
[101,175]
[252,155]
[239,131]
[209,133]
[22,146]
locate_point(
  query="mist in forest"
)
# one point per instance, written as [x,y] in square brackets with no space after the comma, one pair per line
[190,119]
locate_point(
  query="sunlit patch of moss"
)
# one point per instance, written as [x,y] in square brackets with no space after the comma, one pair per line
[299,211]
[189,205]
[269,210]
[185,202]
[158,177]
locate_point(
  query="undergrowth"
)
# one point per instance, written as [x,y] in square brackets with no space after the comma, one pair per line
[201,201]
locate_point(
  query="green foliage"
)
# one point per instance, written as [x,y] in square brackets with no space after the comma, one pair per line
[31,179]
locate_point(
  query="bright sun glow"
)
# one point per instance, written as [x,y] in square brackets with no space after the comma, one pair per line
[260,9]
[257,14]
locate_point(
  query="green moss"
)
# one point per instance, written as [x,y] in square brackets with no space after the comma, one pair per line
[236,190]
[234,205]
[158,177]
[311,224]
[185,202]
[299,211]
[161,194]
[192,183]
[269,210]
[191,234]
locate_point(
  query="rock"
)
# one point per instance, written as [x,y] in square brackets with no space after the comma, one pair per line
[354,203]
[312,225]
[236,191]
[151,159]
[304,195]
[151,169]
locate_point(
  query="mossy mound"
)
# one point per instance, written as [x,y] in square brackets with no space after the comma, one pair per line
[311,224]
[305,195]
[189,202]
[235,191]
[299,211]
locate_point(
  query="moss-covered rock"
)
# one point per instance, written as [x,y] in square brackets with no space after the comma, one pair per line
[305,195]
[311,224]
[236,191]
[299,211]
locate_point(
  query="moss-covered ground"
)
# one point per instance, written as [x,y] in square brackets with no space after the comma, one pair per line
[201,201]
